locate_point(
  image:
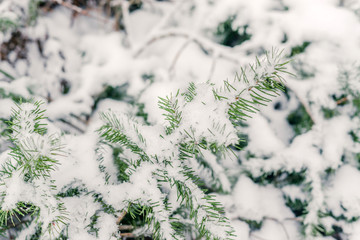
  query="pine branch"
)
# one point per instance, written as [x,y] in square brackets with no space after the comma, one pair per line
[187,137]
[172,115]
[30,164]
[114,132]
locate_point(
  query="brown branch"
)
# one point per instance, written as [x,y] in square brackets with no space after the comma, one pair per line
[78,10]
[177,56]
[341,100]
[121,217]
[297,219]
[126,227]
[129,235]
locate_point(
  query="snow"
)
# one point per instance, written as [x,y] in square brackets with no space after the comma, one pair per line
[90,56]
[250,202]
[344,196]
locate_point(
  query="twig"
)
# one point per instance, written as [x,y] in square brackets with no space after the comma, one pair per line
[78,10]
[303,103]
[121,217]
[297,219]
[126,227]
[85,122]
[72,125]
[213,65]
[281,224]
[208,47]
[257,237]
[177,55]
[341,100]
[126,20]
[130,235]
[168,15]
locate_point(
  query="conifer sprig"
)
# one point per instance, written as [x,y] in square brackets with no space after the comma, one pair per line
[28,168]
[188,134]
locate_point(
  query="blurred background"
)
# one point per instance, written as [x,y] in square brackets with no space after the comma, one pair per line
[297,176]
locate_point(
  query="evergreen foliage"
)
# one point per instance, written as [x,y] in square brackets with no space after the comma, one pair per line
[191,164]
[27,191]
[160,157]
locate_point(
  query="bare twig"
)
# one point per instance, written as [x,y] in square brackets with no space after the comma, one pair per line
[303,103]
[208,47]
[297,219]
[126,20]
[168,15]
[124,14]
[213,65]
[78,10]
[177,55]
[121,217]
[85,122]
[257,237]
[72,125]
[126,227]
[129,235]
[342,100]
[281,224]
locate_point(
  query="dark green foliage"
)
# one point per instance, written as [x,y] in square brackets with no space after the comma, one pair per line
[300,120]
[113,92]
[121,165]
[267,87]
[135,5]
[254,225]
[105,207]
[243,141]
[299,48]
[72,192]
[124,131]
[91,227]
[65,86]
[141,113]
[279,178]
[113,133]
[335,231]
[15,218]
[320,230]
[354,136]
[297,206]
[190,93]
[341,217]
[15,97]
[230,36]
[340,100]
[356,104]
[148,77]
[303,70]
[329,113]
[28,119]
[37,233]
